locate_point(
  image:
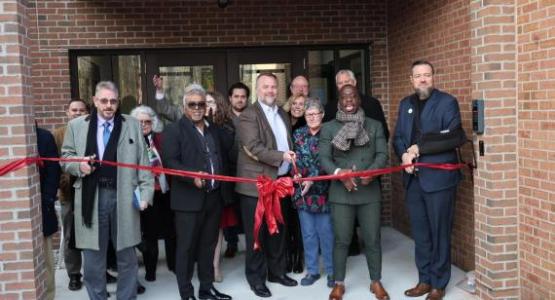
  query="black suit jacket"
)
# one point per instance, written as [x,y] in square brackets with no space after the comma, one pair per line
[50,173]
[182,150]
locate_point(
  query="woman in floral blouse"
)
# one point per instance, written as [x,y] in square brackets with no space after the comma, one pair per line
[310,198]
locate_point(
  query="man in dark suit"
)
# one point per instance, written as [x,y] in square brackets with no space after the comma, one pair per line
[265,149]
[49,181]
[430,193]
[192,144]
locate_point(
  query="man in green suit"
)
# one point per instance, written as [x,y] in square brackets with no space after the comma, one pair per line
[352,142]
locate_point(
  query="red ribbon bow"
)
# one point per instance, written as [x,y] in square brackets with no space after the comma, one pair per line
[268,208]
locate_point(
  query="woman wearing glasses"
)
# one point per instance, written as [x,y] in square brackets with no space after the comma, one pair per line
[311,198]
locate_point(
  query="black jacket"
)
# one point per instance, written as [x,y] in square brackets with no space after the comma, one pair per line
[50,173]
[182,150]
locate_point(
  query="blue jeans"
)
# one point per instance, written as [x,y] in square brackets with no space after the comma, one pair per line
[317,234]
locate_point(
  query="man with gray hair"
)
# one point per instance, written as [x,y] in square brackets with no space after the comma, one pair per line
[371,106]
[105,194]
[193,144]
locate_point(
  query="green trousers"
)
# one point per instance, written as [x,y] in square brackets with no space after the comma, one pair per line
[343,219]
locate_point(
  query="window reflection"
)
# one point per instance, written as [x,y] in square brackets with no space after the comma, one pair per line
[249,72]
[176,78]
[124,70]
[321,73]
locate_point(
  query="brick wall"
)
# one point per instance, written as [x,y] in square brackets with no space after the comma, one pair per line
[494,79]
[21,258]
[536,148]
[439,32]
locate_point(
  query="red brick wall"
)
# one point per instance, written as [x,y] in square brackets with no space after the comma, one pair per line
[536,148]
[21,257]
[437,31]
[494,79]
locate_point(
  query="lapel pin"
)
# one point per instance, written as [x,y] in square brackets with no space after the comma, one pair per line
[410,110]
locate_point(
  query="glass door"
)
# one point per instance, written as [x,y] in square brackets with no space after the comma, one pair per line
[178,70]
[246,65]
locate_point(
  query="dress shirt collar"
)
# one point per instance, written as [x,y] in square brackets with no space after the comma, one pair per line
[268,109]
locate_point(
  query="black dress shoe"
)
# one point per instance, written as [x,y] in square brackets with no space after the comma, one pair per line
[213,294]
[261,291]
[283,280]
[110,278]
[189,298]
[140,288]
[74,283]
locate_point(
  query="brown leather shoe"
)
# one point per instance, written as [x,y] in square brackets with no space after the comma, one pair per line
[377,288]
[337,292]
[436,294]
[419,290]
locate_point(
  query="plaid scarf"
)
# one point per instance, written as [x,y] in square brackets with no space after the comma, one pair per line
[352,130]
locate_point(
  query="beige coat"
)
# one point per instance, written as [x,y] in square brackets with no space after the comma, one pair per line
[131,150]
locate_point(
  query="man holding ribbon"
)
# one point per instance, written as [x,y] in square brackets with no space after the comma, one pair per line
[104,193]
[429,130]
[193,144]
[353,142]
[265,149]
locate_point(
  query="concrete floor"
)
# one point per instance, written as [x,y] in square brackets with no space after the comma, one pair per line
[399,273]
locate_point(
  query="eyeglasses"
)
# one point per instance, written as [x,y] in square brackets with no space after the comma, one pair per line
[196,105]
[313,115]
[145,122]
[105,101]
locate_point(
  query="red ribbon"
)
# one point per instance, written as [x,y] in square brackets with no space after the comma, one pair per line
[270,192]
[268,207]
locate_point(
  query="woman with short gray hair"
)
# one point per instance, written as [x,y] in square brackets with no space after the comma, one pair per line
[310,198]
[156,221]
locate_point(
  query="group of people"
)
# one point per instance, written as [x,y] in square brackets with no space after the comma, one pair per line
[105,206]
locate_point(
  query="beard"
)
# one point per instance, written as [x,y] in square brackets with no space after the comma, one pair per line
[423,93]
[239,108]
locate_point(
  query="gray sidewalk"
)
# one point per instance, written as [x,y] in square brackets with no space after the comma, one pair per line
[399,273]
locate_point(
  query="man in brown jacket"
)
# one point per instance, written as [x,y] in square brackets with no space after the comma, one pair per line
[265,149]
[72,256]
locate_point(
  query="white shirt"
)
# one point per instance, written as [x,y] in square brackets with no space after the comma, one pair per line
[100,134]
[280,132]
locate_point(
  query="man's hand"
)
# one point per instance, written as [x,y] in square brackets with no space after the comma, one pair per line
[158,83]
[288,156]
[407,160]
[349,183]
[199,182]
[143,205]
[414,150]
[86,166]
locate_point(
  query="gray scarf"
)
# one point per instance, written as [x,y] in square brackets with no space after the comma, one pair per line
[352,130]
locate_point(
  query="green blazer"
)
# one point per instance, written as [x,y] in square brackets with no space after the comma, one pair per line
[371,156]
